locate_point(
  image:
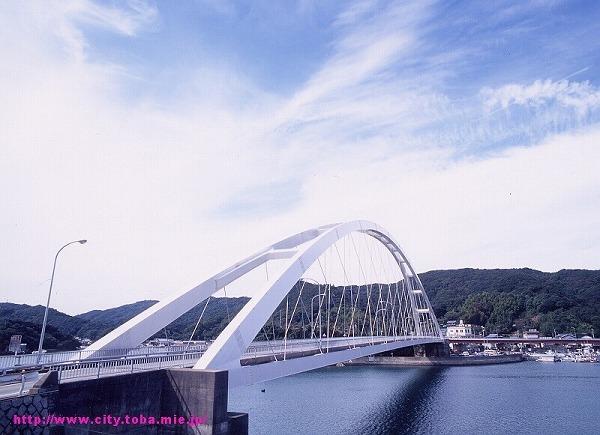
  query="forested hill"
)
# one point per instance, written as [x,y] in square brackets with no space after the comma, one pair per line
[26,320]
[504,300]
[97,323]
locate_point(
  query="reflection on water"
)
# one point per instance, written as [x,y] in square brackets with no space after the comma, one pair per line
[405,409]
[524,398]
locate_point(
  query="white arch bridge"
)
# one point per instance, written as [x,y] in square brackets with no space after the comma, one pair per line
[329,294]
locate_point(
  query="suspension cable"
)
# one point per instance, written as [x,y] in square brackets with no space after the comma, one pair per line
[226,304]
[197,323]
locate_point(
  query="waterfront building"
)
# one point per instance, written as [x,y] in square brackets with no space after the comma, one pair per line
[531,333]
[461,330]
[161,342]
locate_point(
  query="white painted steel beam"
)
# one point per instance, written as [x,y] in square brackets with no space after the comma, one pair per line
[300,251]
[228,348]
[135,331]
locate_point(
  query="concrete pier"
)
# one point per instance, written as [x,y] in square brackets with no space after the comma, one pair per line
[177,396]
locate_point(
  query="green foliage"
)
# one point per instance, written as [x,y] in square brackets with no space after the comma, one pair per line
[66,324]
[215,319]
[95,324]
[100,322]
[502,300]
[505,300]
[53,339]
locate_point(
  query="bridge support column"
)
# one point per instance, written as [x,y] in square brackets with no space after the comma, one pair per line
[436,350]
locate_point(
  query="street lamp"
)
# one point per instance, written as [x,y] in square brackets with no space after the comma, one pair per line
[49,294]
[377,321]
[319,318]
[384,309]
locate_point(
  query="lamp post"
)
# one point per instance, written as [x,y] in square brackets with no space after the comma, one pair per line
[318,314]
[50,294]
[377,322]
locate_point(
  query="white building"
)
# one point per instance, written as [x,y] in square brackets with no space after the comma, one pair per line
[532,333]
[460,330]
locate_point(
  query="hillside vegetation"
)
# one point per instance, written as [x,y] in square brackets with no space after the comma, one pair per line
[30,332]
[502,300]
[26,320]
[505,300]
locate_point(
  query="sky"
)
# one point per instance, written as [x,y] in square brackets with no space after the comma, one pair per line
[180,137]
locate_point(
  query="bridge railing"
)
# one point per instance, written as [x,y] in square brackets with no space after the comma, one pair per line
[47,359]
[26,361]
[130,364]
[96,369]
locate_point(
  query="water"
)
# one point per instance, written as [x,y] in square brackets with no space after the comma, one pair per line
[524,398]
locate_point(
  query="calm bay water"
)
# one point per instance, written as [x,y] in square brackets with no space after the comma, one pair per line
[524,398]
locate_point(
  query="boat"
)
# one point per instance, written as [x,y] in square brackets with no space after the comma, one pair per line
[544,357]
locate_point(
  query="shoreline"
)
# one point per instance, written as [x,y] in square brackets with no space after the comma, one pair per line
[437,361]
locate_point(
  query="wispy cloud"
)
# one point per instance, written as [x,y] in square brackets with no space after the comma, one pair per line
[580,96]
[127,19]
[397,123]
[66,17]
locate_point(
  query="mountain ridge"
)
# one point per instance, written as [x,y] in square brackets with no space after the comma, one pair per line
[500,299]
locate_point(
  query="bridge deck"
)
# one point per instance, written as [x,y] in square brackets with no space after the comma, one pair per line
[72,368]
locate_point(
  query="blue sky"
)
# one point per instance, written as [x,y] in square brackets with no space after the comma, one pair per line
[185,135]
[275,45]
[278,46]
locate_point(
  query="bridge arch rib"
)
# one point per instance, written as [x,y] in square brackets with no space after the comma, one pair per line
[299,252]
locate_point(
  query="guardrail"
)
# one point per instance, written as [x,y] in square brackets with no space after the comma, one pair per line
[96,369]
[31,360]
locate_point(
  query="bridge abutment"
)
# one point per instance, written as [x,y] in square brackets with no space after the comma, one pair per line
[436,350]
[170,401]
